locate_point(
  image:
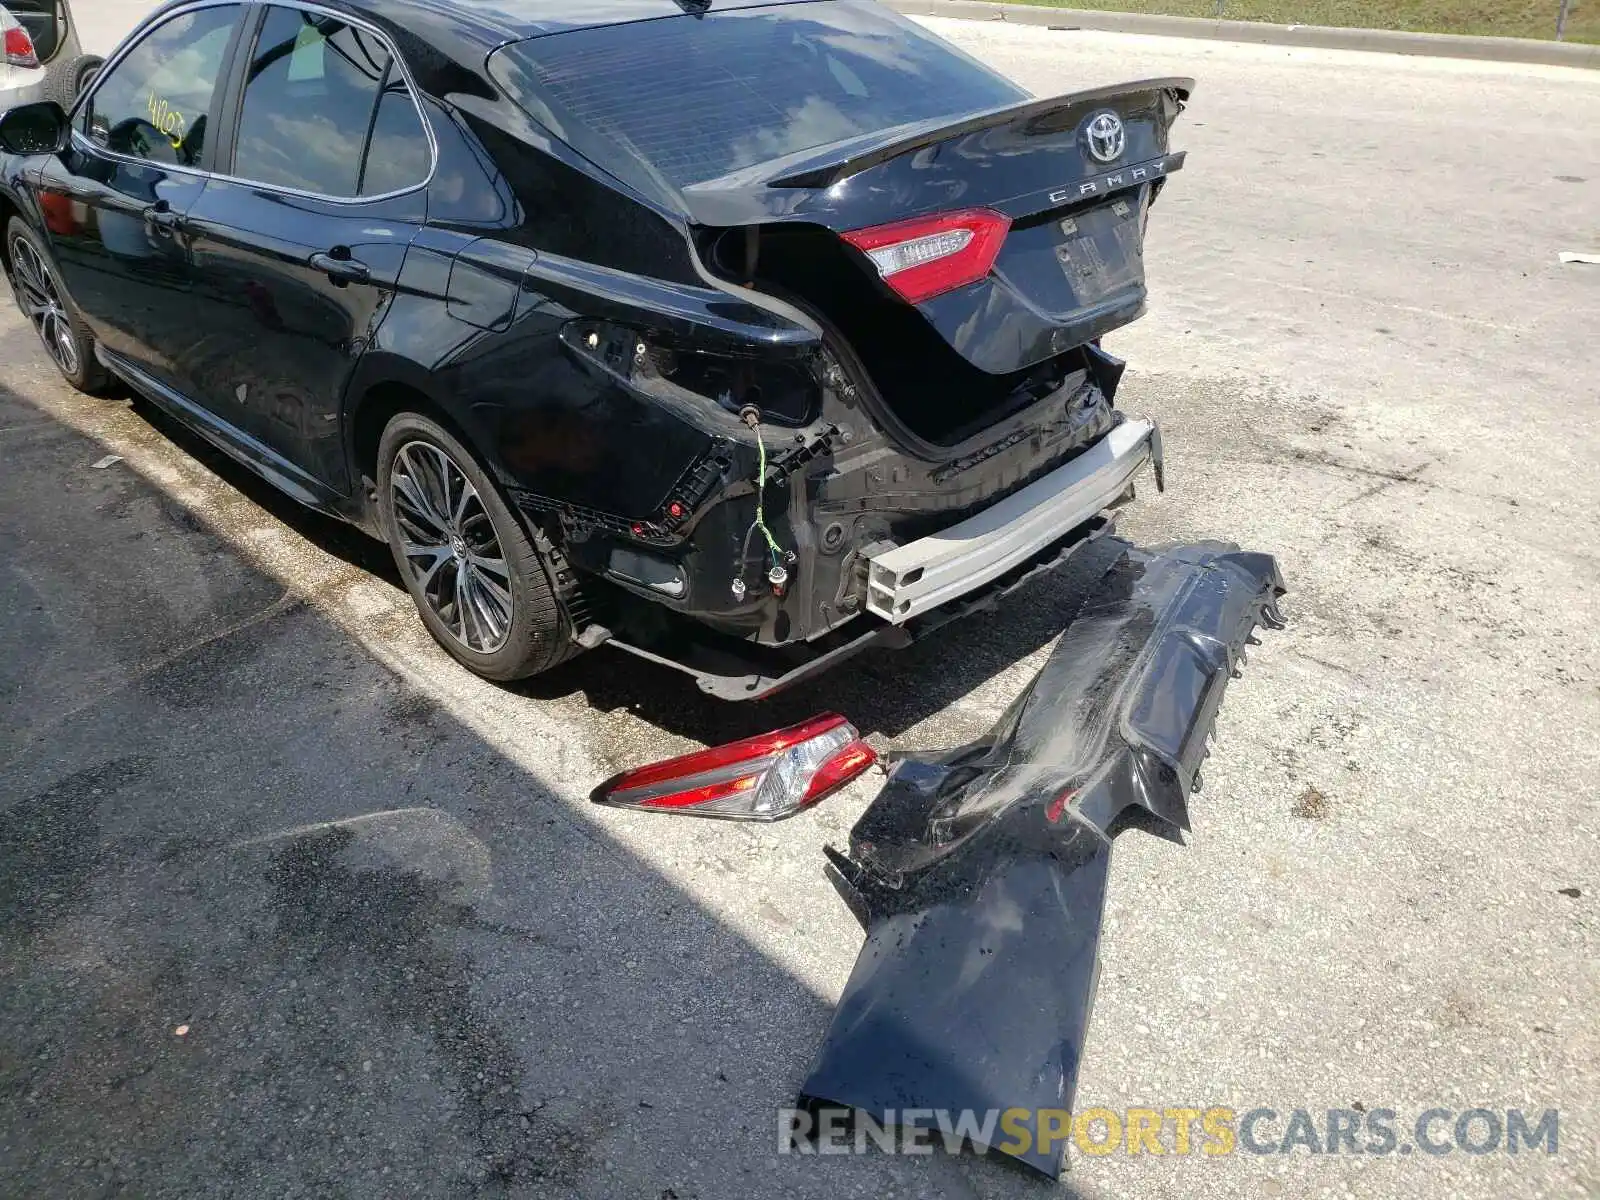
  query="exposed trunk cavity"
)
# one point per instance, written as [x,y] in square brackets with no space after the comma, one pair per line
[930,388]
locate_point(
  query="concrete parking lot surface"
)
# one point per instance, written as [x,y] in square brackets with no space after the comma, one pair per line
[291,905]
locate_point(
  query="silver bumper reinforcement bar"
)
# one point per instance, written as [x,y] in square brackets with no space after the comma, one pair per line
[906,580]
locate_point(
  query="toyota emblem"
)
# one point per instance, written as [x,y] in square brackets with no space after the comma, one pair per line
[1106,137]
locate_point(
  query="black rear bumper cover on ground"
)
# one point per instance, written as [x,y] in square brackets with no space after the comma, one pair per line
[980,873]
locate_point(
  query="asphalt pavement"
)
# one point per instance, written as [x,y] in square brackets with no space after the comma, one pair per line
[292,905]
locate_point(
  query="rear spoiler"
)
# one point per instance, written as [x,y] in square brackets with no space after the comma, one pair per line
[766,191]
[909,138]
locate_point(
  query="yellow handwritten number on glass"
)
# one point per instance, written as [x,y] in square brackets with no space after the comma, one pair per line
[167,119]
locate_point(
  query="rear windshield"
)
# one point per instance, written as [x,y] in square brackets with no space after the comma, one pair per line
[700,97]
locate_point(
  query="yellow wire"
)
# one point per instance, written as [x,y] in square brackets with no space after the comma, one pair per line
[761,491]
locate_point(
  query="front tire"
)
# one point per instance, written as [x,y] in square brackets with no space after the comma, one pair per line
[42,299]
[476,577]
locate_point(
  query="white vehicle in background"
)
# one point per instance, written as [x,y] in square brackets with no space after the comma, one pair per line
[42,57]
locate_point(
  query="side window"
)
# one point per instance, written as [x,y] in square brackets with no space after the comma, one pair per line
[398,154]
[153,103]
[315,88]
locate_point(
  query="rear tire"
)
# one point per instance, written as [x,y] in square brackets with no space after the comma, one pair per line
[51,312]
[478,580]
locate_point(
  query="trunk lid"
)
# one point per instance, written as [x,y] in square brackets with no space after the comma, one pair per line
[1073,177]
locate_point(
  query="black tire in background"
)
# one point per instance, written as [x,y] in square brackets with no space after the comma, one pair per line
[66,339]
[66,80]
[83,75]
[439,534]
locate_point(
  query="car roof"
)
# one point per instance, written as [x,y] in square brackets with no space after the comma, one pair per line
[499,21]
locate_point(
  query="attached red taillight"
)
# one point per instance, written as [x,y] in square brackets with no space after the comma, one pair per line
[928,256]
[761,778]
[19,48]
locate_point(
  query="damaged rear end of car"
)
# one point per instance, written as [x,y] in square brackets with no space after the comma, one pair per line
[927,416]
[925,420]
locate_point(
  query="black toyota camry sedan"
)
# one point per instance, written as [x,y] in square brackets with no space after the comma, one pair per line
[742,334]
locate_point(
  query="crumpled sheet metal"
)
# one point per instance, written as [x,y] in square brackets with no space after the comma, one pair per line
[980,873]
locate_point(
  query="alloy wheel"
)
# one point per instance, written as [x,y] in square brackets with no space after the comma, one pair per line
[450,546]
[41,304]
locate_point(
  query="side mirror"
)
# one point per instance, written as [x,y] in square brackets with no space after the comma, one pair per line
[38,128]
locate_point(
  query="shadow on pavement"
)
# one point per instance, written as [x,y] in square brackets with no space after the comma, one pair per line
[342,540]
[883,692]
[886,691]
[273,923]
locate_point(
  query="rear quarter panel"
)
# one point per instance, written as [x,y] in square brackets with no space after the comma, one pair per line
[476,320]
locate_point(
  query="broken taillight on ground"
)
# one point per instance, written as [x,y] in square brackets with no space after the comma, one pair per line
[763,778]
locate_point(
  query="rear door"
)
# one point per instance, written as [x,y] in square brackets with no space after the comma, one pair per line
[116,200]
[299,242]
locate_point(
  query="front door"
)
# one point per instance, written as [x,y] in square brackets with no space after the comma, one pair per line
[116,200]
[297,253]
